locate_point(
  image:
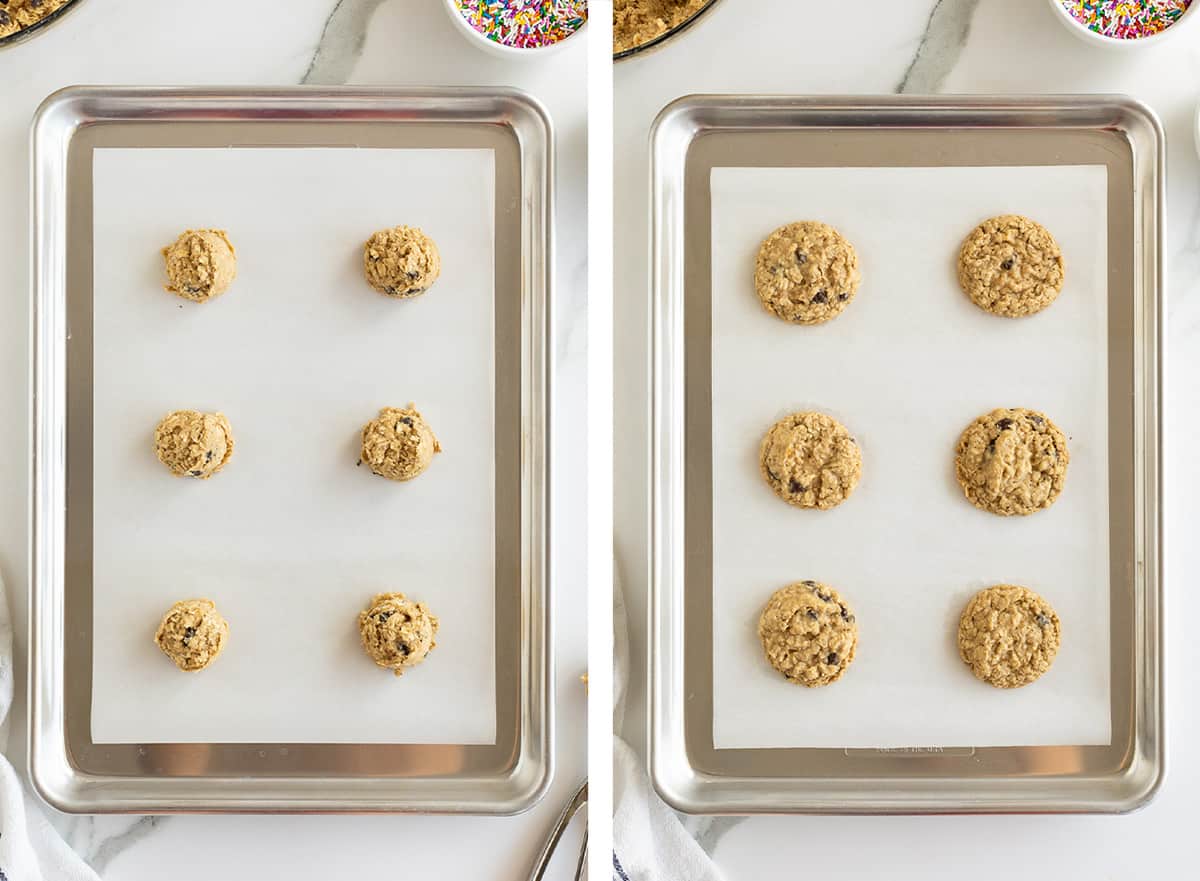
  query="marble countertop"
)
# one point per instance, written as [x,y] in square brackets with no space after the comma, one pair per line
[392,42]
[935,46]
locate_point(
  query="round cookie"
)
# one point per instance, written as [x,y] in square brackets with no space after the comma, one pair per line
[201,264]
[808,633]
[401,262]
[192,634]
[396,632]
[1010,266]
[398,444]
[1008,635]
[810,460]
[806,272]
[193,444]
[1012,461]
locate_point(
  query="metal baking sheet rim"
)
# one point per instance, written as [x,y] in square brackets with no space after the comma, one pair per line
[529,769]
[693,790]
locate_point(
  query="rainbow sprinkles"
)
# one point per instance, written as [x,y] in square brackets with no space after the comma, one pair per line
[524,24]
[1126,19]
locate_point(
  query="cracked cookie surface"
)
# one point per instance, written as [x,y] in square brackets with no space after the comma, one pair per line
[193,444]
[398,444]
[192,634]
[806,272]
[808,633]
[1008,635]
[201,264]
[810,460]
[1011,266]
[1012,461]
[401,262]
[397,633]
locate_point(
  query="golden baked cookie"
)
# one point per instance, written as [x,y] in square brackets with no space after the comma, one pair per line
[398,444]
[806,272]
[192,634]
[1012,461]
[810,460]
[808,633]
[201,264]
[1008,635]
[397,633]
[193,444]
[1011,266]
[401,262]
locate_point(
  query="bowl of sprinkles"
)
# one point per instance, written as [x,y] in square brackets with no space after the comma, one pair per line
[519,27]
[1125,23]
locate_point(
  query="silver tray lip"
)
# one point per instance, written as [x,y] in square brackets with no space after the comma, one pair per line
[676,780]
[56,780]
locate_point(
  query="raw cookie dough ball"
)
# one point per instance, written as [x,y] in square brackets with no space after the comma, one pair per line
[193,444]
[201,264]
[808,633]
[1010,266]
[1012,461]
[401,262]
[806,272]
[1008,635]
[396,632]
[192,634]
[810,460]
[398,444]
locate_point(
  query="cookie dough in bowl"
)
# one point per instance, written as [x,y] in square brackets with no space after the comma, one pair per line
[201,264]
[397,633]
[401,262]
[192,634]
[1008,635]
[808,633]
[1012,461]
[193,444]
[810,460]
[1010,266]
[398,444]
[806,272]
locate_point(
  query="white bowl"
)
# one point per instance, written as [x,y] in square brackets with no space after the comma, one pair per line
[1091,37]
[499,48]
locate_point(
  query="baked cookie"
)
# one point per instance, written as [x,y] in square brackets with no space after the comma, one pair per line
[193,444]
[1010,266]
[810,460]
[806,272]
[398,444]
[1012,461]
[396,632]
[201,264]
[1008,635]
[401,262]
[192,634]
[808,633]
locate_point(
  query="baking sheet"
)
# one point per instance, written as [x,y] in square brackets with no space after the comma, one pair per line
[291,539]
[906,367]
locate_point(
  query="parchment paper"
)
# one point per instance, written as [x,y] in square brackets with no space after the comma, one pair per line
[291,540]
[906,367]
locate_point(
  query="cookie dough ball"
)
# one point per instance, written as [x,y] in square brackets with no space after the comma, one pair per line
[806,272]
[193,444]
[1008,635]
[201,264]
[808,633]
[810,460]
[401,262]
[398,444]
[192,634]
[1010,266]
[1012,461]
[396,632]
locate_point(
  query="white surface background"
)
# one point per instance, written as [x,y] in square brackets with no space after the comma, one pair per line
[409,42]
[973,46]
[290,539]
[906,366]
